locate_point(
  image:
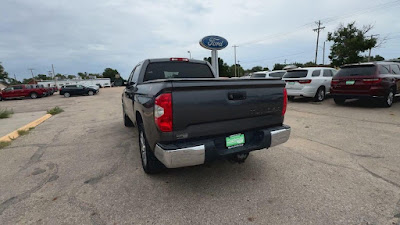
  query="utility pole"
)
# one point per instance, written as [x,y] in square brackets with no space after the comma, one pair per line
[369,52]
[234,49]
[33,78]
[323,55]
[318,29]
[55,81]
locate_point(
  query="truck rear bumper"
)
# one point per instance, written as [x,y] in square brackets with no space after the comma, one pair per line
[197,152]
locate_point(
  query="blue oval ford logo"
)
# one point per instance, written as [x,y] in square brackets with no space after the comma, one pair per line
[213,42]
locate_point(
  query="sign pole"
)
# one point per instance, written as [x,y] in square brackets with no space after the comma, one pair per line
[214,61]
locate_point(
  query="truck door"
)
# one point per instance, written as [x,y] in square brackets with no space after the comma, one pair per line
[129,92]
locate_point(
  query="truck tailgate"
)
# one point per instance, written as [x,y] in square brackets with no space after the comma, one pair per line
[222,106]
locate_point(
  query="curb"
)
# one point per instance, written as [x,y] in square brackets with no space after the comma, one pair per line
[13,135]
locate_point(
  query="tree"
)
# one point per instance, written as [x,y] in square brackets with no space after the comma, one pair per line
[279,66]
[42,77]
[348,43]
[373,58]
[97,75]
[71,77]
[83,75]
[110,73]
[223,68]
[26,81]
[309,64]
[59,76]
[256,69]
[3,74]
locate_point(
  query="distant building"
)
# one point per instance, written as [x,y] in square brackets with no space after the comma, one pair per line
[101,82]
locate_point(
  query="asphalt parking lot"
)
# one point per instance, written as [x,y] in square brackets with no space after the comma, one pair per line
[340,166]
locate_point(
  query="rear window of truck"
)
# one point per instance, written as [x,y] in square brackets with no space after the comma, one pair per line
[165,70]
[359,70]
[296,74]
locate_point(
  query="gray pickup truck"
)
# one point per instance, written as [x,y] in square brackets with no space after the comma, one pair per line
[186,116]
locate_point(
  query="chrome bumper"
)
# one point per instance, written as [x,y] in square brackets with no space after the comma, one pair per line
[279,136]
[196,155]
[181,157]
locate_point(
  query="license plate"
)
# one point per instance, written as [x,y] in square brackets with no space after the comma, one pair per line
[291,83]
[235,140]
[350,82]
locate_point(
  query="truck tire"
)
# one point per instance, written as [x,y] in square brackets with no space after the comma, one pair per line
[1,99]
[320,95]
[151,165]
[339,101]
[67,95]
[33,95]
[389,98]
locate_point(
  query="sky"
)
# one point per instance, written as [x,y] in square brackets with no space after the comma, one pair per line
[91,35]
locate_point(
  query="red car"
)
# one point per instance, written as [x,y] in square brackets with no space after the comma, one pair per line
[377,80]
[22,90]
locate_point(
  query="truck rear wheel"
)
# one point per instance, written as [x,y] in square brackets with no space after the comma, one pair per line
[33,95]
[150,163]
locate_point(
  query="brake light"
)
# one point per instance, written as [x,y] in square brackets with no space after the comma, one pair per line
[372,81]
[284,101]
[304,81]
[179,59]
[335,81]
[163,112]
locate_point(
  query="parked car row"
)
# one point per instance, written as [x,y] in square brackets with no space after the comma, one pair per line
[37,91]
[375,80]
[27,90]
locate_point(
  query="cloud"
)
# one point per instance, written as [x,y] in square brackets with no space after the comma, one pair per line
[79,36]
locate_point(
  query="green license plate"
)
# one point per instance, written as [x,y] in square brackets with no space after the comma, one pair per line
[350,82]
[291,83]
[235,140]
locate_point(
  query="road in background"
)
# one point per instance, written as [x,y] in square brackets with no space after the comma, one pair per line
[340,166]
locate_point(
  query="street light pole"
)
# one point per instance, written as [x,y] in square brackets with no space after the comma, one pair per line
[234,49]
[190,54]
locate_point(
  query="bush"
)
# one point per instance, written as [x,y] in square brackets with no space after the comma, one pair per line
[55,110]
[5,113]
[4,144]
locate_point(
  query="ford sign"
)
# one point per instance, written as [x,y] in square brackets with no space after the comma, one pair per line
[213,42]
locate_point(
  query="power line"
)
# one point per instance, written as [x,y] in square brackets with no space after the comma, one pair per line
[278,57]
[325,20]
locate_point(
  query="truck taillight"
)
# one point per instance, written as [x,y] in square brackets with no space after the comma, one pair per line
[284,101]
[163,112]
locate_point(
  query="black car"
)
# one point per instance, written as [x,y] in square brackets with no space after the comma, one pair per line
[69,90]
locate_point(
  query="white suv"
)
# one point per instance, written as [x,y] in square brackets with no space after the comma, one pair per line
[269,74]
[314,82]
